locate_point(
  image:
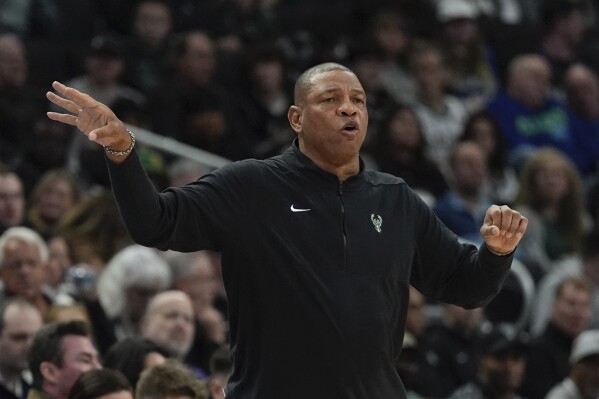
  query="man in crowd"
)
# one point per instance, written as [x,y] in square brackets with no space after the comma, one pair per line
[60,353]
[583,380]
[19,322]
[547,362]
[317,253]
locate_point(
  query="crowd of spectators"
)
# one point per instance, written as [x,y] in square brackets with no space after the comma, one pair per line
[471,102]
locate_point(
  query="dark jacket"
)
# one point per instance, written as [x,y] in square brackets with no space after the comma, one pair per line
[317,270]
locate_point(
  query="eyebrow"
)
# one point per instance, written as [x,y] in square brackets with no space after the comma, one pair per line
[336,89]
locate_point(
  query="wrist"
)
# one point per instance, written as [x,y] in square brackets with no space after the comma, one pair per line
[122,153]
[498,253]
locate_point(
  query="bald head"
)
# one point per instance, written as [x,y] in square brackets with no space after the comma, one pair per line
[529,79]
[304,82]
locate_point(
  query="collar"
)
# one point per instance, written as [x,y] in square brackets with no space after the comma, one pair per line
[300,162]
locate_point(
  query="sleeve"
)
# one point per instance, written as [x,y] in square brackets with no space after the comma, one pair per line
[449,271]
[188,218]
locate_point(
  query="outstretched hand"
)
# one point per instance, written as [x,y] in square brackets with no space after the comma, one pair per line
[92,117]
[502,229]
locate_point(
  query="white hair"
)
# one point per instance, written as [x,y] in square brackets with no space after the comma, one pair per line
[133,266]
[23,234]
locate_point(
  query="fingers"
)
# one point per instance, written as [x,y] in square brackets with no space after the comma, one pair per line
[508,221]
[79,99]
[64,118]
[63,102]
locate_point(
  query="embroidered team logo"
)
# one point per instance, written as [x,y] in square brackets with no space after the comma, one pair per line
[377,221]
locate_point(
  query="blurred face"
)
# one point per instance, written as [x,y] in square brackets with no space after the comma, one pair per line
[58,261]
[502,373]
[200,283]
[484,136]
[391,36]
[587,376]
[137,299]
[464,320]
[21,325]
[369,72]
[429,72]
[529,82]
[152,22]
[469,167]
[551,181]
[79,356]
[582,89]
[104,70]
[170,324]
[405,130]
[461,31]
[572,27]
[198,62]
[331,119]
[572,310]
[23,270]
[12,201]
[13,62]
[268,76]
[56,199]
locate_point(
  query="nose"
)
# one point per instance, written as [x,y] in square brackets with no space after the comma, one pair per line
[347,108]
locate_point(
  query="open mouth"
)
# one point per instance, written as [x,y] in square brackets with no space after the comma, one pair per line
[350,127]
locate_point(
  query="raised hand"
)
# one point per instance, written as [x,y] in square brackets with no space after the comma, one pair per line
[502,229]
[92,117]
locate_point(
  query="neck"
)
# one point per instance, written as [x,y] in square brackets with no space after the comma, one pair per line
[434,100]
[343,166]
[9,377]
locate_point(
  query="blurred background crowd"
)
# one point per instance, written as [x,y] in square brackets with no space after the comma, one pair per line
[471,102]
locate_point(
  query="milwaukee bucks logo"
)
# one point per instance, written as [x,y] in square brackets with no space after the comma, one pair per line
[377,221]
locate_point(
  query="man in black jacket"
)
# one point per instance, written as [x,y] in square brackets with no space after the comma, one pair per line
[317,253]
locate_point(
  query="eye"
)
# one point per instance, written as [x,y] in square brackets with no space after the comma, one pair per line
[328,100]
[359,101]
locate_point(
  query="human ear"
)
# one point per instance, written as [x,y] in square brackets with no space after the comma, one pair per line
[49,372]
[295,118]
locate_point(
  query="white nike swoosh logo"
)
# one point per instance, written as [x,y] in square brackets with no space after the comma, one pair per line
[293,209]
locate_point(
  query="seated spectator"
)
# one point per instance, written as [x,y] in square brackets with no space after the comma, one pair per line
[168,380]
[582,97]
[582,381]
[547,362]
[56,193]
[503,184]
[182,171]
[168,323]
[501,363]
[453,343]
[23,254]
[94,230]
[18,101]
[101,384]
[131,278]
[132,355]
[59,354]
[529,117]
[12,200]
[442,115]
[263,110]
[552,198]
[585,265]
[400,148]
[194,274]
[391,33]
[463,208]
[19,322]
[469,61]
[221,368]
[563,27]
[146,50]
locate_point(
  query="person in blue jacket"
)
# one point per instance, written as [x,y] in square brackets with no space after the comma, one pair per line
[317,252]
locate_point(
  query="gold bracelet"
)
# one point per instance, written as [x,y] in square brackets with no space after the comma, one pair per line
[122,153]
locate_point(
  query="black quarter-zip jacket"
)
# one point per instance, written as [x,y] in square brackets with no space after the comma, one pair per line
[317,271]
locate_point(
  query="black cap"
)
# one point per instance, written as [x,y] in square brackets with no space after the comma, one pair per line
[106,46]
[498,339]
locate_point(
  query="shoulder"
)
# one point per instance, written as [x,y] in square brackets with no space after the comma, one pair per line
[383,179]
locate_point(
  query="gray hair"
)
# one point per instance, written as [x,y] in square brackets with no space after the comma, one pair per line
[23,234]
[304,82]
[133,266]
